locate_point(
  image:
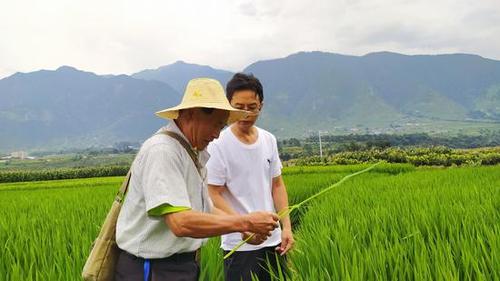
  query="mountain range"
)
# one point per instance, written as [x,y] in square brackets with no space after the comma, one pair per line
[304,93]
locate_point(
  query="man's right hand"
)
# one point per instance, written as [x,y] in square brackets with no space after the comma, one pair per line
[261,222]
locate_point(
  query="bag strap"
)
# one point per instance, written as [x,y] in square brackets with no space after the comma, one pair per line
[192,154]
[187,146]
[123,189]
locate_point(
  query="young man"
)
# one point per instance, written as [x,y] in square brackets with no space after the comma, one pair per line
[167,207]
[244,175]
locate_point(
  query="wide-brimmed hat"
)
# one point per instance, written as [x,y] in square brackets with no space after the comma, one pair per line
[204,92]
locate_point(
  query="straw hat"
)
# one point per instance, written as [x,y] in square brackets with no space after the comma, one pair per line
[204,92]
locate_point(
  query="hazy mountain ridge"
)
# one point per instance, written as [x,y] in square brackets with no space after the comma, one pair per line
[304,92]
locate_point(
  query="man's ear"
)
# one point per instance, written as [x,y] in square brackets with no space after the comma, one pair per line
[189,113]
[261,106]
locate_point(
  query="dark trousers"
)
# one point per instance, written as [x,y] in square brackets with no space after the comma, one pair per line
[179,267]
[260,263]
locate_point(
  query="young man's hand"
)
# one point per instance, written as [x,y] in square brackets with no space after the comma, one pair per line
[287,241]
[257,239]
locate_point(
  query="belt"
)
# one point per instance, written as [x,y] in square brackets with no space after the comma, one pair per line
[179,257]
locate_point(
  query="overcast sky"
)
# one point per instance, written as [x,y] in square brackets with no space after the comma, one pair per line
[120,36]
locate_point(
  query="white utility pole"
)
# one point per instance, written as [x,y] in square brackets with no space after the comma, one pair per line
[320,147]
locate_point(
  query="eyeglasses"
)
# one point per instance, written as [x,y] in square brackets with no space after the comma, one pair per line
[249,107]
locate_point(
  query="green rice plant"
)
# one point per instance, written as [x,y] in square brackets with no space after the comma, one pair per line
[435,224]
[393,223]
[46,232]
[211,261]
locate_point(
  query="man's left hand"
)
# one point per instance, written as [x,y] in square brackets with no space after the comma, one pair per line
[287,242]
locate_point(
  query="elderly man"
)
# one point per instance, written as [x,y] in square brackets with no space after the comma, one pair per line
[167,206]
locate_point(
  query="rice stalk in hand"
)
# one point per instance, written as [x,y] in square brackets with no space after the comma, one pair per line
[288,210]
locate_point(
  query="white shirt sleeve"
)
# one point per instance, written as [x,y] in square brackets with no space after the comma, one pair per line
[163,181]
[276,162]
[215,166]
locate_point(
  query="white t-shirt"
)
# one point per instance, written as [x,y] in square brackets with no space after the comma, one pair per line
[162,173]
[247,172]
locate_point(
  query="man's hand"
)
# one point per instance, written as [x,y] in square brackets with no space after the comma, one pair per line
[287,241]
[257,239]
[261,222]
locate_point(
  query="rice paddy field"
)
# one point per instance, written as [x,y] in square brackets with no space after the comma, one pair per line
[395,222]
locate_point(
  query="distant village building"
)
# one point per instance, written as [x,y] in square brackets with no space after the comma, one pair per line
[18,155]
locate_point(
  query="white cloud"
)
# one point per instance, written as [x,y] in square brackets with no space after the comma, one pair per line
[127,36]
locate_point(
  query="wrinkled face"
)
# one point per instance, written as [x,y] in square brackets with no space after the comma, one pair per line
[205,127]
[247,100]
